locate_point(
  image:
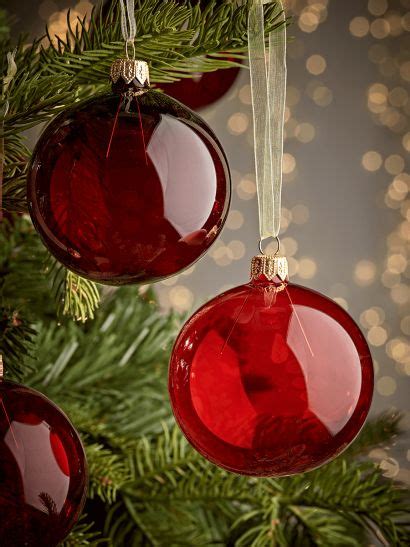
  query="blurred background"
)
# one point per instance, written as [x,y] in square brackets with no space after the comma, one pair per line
[346,210]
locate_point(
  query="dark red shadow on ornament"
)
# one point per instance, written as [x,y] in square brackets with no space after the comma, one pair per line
[43,471]
[203,89]
[128,192]
[269,383]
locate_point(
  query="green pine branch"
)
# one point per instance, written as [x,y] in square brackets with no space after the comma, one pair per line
[83,535]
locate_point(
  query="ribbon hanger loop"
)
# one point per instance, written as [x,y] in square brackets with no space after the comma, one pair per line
[268,86]
[128,25]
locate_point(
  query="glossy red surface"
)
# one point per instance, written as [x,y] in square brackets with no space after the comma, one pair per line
[128,195]
[204,89]
[269,383]
[43,471]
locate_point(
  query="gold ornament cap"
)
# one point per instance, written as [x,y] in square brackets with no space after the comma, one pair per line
[269,266]
[130,70]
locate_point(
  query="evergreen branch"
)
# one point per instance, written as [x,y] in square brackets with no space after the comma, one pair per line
[376,432]
[16,344]
[83,535]
[108,473]
[76,297]
[174,39]
[16,156]
[358,492]
[100,357]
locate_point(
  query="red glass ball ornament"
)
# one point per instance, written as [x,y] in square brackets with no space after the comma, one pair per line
[269,380]
[128,191]
[43,470]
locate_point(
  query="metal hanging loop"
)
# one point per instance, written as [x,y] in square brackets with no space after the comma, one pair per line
[276,238]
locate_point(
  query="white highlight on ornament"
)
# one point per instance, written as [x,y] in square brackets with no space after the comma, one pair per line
[268,84]
[165,148]
[35,458]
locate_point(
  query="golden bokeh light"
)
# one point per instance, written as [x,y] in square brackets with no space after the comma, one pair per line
[372,160]
[405,325]
[245,95]
[342,302]
[235,220]
[396,263]
[307,268]
[316,64]
[372,317]
[238,123]
[222,255]
[308,20]
[246,189]
[405,210]
[386,386]
[189,271]
[293,95]
[365,272]
[377,336]
[398,349]
[300,214]
[359,27]
[293,266]
[289,246]
[322,95]
[405,71]
[394,164]
[171,281]
[237,249]
[286,219]
[398,189]
[395,22]
[377,7]
[181,298]
[400,294]
[380,28]
[57,20]
[379,89]
[305,132]
[289,163]
[406,141]
[377,96]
